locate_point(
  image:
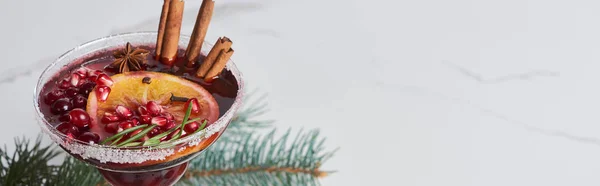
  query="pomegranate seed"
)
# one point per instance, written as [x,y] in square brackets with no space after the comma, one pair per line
[82,72]
[70,136]
[144,138]
[123,112]
[146,119]
[102,93]
[191,127]
[86,88]
[169,116]
[67,129]
[64,84]
[153,132]
[135,132]
[143,111]
[195,105]
[103,79]
[92,78]
[112,128]
[125,125]
[54,95]
[170,124]
[64,118]
[79,117]
[61,106]
[153,108]
[109,117]
[159,120]
[89,137]
[135,120]
[75,79]
[95,72]
[71,92]
[171,135]
[79,101]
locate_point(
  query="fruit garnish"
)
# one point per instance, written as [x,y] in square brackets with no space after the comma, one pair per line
[139,132]
[132,103]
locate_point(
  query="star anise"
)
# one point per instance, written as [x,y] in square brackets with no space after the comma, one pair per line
[129,59]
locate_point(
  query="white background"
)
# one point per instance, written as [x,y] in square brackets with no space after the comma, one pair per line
[429,92]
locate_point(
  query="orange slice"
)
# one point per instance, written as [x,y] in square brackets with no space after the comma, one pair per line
[129,90]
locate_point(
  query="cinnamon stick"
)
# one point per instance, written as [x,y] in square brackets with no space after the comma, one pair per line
[223,43]
[161,27]
[200,28]
[220,63]
[173,27]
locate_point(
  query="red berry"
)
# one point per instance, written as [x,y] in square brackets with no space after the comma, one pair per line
[143,111]
[54,95]
[195,105]
[86,88]
[79,118]
[170,136]
[64,118]
[71,92]
[102,93]
[135,120]
[159,120]
[103,79]
[170,124]
[137,132]
[64,84]
[95,72]
[112,128]
[125,125]
[82,72]
[123,112]
[153,108]
[61,106]
[146,119]
[67,129]
[75,79]
[169,116]
[109,117]
[92,78]
[153,132]
[191,127]
[89,137]
[79,101]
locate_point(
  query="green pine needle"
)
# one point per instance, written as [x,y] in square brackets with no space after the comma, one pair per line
[261,161]
[239,157]
[28,164]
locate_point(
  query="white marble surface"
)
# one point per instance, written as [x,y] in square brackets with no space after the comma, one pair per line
[427,92]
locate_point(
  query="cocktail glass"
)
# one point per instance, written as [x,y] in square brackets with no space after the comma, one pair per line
[134,165]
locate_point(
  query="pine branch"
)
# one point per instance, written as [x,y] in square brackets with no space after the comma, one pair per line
[28,164]
[75,172]
[261,161]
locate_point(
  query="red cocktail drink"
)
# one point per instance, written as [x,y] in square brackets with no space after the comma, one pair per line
[137,120]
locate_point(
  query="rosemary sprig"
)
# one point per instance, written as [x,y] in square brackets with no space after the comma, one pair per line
[130,142]
[177,136]
[156,139]
[117,140]
[188,112]
[202,126]
[137,136]
[122,133]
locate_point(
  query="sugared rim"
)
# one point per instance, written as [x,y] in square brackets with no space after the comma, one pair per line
[192,140]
